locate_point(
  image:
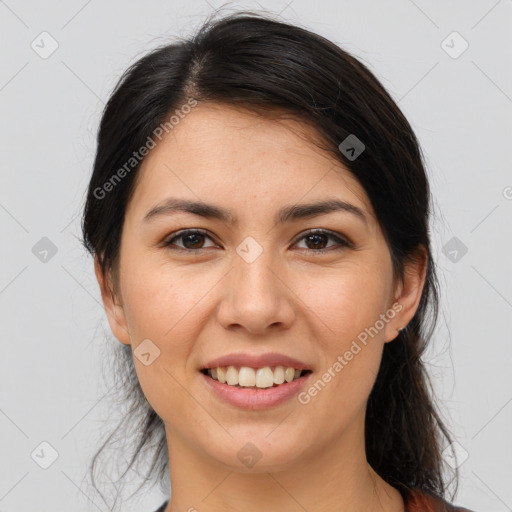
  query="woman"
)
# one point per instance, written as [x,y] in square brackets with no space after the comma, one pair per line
[258,215]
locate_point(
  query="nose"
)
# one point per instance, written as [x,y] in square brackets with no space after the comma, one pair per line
[256,296]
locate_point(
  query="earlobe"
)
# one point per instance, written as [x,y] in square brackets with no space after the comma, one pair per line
[115,312]
[409,293]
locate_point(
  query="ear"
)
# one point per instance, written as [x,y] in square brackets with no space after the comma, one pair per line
[114,310]
[408,293]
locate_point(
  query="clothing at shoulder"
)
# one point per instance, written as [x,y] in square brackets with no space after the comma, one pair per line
[415,501]
[418,501]
[162,508]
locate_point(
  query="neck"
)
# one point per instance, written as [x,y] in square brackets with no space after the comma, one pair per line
[337,477]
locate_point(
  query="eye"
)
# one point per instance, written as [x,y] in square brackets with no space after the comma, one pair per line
[316,240]
[193,240]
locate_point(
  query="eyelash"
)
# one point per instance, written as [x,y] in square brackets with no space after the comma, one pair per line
[182,234]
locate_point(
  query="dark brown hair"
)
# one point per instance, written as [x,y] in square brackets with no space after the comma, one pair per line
[254,62]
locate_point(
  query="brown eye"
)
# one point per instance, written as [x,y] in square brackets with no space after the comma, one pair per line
[192,240]
[317,240]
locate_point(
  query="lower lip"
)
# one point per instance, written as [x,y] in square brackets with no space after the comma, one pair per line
[256,398]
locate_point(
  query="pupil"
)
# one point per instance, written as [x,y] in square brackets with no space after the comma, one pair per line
[316,237]
[193,236]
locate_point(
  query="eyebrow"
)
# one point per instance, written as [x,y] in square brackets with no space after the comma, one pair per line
[286,214]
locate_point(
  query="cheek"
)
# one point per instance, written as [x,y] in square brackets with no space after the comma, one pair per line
[349,304]
[170,306]
[163,307]
[347,301]
[160,302]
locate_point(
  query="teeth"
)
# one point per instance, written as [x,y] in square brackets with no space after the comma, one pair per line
[279,375]
[250,377]
[264,377]
[232,376]
[246,377]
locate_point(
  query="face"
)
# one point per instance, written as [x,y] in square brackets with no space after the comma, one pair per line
[253,284]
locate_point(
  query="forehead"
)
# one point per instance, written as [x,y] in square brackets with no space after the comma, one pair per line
[244,159]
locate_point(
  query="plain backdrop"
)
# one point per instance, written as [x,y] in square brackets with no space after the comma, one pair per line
[447,64]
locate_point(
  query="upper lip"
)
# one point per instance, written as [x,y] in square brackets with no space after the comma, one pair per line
[257,361]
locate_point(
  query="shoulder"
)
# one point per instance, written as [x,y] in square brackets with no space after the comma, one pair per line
[415,501]
[162,508]
[419,501]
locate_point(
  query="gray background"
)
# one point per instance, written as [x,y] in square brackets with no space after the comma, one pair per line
[52,321]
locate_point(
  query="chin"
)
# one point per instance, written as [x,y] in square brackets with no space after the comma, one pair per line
[255,452]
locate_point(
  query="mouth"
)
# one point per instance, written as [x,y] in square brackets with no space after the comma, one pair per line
[246,377]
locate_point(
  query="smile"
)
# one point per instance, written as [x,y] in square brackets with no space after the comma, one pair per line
[257,391]
[247,377]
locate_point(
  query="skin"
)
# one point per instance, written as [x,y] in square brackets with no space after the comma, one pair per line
[196,306]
